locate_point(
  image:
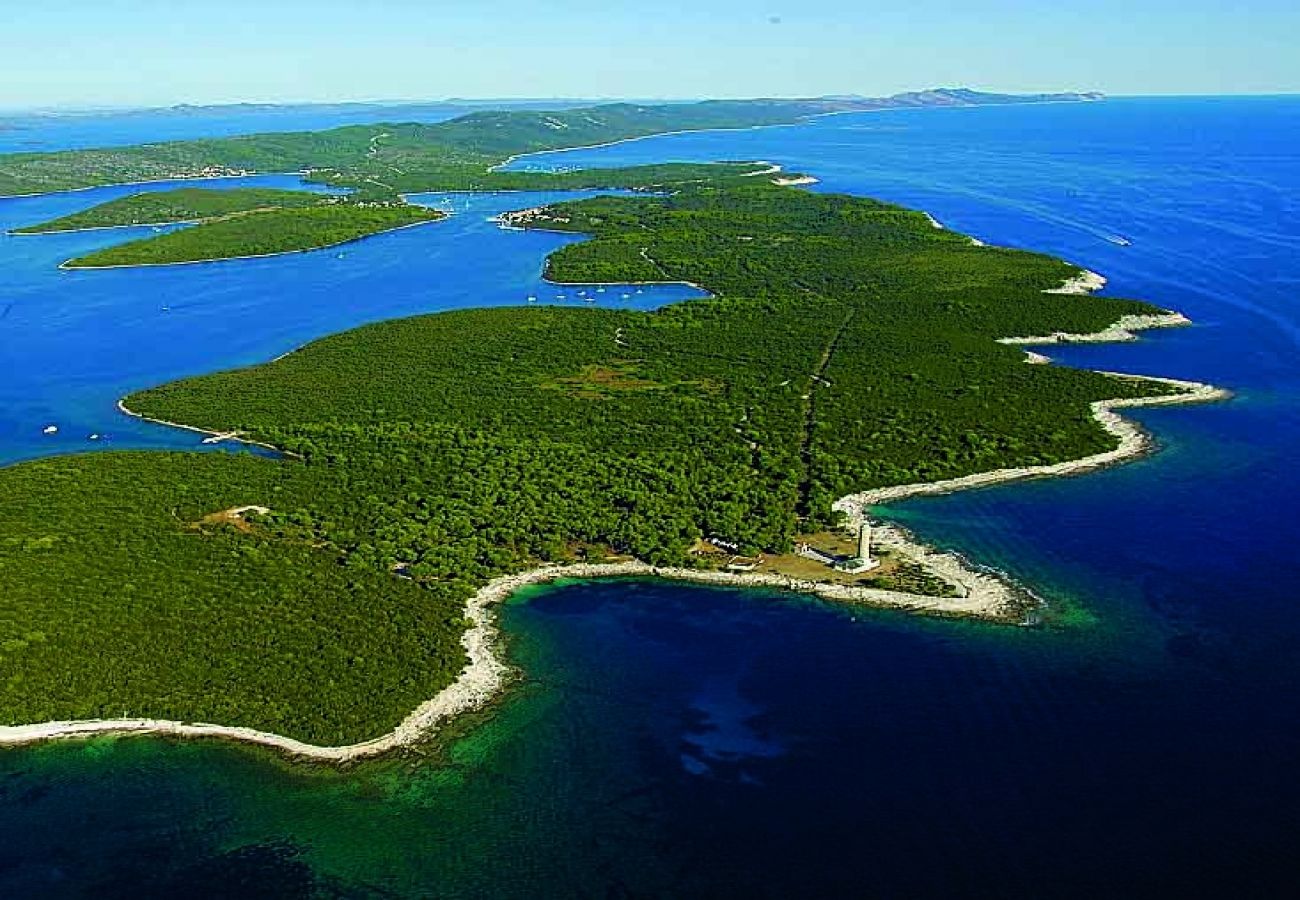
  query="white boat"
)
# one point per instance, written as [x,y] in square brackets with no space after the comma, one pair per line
[94,437]
[50,429]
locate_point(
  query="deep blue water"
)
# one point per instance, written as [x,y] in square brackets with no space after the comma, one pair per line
[675,741]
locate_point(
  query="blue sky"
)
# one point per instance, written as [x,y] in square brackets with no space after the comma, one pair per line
[146,52]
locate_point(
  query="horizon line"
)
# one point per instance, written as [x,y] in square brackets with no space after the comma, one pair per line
[109,108]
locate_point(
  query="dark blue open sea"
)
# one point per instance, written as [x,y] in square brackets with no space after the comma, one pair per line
[674,741]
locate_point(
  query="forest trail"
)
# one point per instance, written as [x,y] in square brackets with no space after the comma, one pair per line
[373,150]
[645,254]
[810,415]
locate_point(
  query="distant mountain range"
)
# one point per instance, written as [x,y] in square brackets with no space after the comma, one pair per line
[403,108]
[399,154]
[958,97]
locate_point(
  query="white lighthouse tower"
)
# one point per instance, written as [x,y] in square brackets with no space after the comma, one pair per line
[863,561]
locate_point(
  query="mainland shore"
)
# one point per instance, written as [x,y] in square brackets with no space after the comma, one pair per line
[109,184]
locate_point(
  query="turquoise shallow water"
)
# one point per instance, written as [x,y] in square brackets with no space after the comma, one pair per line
[679,741]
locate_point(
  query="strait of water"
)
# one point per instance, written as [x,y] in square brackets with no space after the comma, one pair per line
[678,741]
[77,341]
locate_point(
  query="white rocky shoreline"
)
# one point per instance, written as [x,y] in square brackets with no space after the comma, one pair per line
[1123,330]
[1134,441]
[485,675]
[210,436]
[981,594]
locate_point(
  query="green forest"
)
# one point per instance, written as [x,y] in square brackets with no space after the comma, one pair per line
[119,603]
[847,345]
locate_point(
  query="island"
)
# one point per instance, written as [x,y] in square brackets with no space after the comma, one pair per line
[263,232]
[336,602]
[184,205]
[241,223]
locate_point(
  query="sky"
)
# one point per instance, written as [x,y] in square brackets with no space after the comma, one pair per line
[81,53]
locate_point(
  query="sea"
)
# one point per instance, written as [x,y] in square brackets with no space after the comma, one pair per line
[1141,740]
